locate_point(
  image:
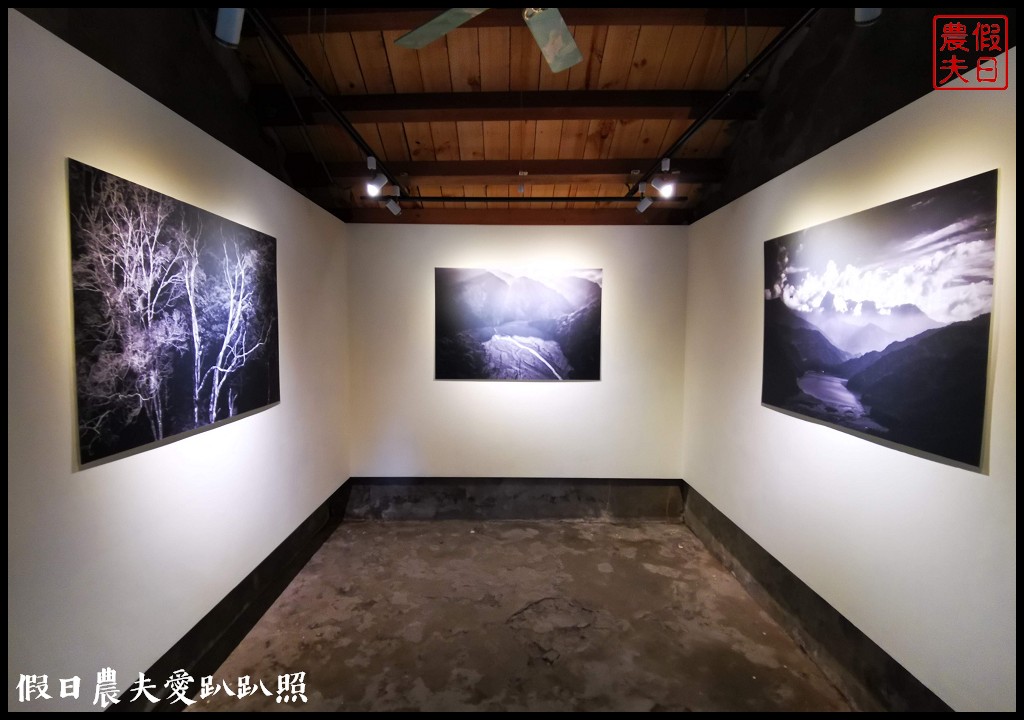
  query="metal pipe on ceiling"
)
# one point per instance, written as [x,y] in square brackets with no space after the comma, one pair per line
[511,199]
[730,90]
[267,28]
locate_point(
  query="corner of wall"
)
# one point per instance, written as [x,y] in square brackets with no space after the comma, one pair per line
[897,543]
[111,564]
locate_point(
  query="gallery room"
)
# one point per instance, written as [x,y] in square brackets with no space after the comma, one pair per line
[511,360]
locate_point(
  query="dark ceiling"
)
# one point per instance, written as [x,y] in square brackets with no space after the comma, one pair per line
[475,128]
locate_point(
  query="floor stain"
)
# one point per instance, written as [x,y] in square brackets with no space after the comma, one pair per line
[518,616]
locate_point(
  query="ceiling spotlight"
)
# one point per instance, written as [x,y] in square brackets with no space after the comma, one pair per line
[373,187]
[666,187]
[866,16]
[641,207]
[229,26]
[394,207]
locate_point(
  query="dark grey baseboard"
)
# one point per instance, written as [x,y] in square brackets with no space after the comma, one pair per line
[207,645]
[871,679]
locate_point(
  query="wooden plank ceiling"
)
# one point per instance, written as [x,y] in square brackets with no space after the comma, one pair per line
[479,115]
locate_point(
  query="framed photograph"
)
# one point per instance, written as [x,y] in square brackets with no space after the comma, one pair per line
[878,322]
[175,315]
[503,324]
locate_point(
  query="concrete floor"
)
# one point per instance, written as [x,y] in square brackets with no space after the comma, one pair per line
[516,615]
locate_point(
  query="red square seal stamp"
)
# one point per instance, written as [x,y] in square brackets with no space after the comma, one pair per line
[969,52]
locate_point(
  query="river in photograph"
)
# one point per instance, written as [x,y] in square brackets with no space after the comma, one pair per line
[839,405]
[517,357]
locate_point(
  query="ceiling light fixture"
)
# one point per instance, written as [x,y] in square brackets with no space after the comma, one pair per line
[392,203]
[229,26]
[645,201]
[666,185]
[866,16]
[729,92]
[373,187]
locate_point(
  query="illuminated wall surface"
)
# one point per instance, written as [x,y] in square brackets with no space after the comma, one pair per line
[625,425]
[111,565]
[918,554]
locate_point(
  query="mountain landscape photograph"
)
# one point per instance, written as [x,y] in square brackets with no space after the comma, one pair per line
[878,322]
[494,324]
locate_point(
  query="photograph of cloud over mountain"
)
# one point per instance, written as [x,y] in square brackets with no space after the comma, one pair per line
[501,325]
[878,322]
[175,314]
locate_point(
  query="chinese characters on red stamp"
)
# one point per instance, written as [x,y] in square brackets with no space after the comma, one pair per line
[969,52]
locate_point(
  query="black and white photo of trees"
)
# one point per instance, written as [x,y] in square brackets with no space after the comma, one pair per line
[878,322]
[175,314]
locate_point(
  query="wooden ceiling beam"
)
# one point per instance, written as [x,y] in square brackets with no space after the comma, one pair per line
[273,106]
[298,21]
[517,216]
[305,173]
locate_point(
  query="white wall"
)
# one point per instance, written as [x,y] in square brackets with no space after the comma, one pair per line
[408,424]
[919,555]
[112,565]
